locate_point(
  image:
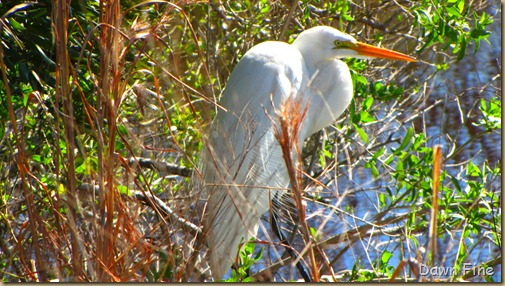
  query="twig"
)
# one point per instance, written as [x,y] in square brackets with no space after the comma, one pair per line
[437,150]
[289,249]
[155,202]
[161,167]
[288,19]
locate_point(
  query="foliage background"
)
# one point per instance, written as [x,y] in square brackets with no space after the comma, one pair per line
[104,103]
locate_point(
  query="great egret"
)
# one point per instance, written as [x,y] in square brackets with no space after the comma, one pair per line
[242,163]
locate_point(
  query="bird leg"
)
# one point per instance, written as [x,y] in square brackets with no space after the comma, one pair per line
[289,249]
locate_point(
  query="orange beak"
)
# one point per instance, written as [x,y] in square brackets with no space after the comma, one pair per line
[371,51]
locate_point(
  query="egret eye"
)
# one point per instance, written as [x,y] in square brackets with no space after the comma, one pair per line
[338,44]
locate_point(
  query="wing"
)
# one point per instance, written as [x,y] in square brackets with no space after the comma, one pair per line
[242,162]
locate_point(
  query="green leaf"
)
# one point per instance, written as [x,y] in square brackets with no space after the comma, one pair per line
[321,160]
[265,9]
[424,17]
[348,17]
[327,154]
[123,190]
[361,79]
[375,172]
[463,43]
[367,103]
[378,153]
[249,248]
[461,6]
[485,19]
[386,255]
[25,99]
[366,117]
[442,67]
[61,189]
[418,140]
[16,25]
[453,12]
[405,142]
[456,184]
[352,112]
[473,170]
[382,199]
[258,255]
[361,133]
[479,33]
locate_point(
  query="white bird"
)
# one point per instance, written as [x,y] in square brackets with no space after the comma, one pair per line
[242,162]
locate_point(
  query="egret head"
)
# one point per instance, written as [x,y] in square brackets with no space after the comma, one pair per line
[326,43]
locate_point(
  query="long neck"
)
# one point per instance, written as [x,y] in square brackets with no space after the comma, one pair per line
[312,50]
[331,91]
